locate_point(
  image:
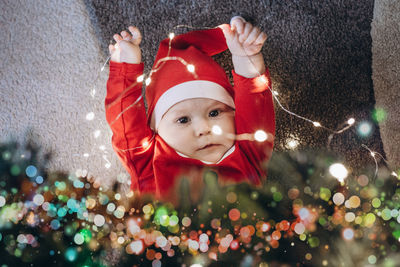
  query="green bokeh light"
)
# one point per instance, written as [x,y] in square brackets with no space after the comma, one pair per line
[379,115]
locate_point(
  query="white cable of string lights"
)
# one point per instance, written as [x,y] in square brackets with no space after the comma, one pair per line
[373,155]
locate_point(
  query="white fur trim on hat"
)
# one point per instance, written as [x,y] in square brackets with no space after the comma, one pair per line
[188,90]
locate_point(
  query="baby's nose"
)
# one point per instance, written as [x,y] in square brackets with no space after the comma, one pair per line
[202,127]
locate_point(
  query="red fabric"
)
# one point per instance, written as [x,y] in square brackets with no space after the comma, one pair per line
[155,167]
[195,48]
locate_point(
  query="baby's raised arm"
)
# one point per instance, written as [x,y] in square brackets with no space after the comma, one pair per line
[132,139]
[245,43]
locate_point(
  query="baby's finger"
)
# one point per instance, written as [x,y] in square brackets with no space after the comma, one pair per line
[136,35]
[237,23]
[252,36]
[111,48]
[261,38]
[117,38]
[126,36]
[247,29]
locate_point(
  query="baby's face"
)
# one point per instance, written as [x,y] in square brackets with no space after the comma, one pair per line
[187,128]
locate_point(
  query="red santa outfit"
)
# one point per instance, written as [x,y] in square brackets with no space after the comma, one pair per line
[153,165]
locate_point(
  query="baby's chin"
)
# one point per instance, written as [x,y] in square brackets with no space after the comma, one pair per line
[211,156]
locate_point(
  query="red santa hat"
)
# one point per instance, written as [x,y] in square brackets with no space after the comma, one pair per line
[184,69]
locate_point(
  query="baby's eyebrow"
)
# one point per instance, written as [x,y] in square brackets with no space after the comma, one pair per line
[179,112]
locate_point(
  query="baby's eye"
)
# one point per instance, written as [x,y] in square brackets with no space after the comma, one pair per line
[183,120]
[214,113]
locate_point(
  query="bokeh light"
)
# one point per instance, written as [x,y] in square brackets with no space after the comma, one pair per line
[364,129]
[338,171]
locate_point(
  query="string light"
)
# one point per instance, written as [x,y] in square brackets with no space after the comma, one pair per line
[338,171]
[292,143]
[260,136]
[140,78]
[97,133]
[93,92]
[190,68]
[148,81]
[316,124]
[216,130]
[171,35]
[372,153]
[90,116]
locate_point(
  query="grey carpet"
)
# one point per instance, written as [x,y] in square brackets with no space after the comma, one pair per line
[386,73]
[318,52]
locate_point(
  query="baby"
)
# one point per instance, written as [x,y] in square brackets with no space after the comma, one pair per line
[196,121]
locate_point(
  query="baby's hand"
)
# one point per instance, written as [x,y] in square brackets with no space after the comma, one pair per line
[242,38]
[127,47]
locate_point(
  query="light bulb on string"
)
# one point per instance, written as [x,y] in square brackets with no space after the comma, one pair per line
[338,171]
[216,130]
[148,81]
[140,78]
[260,136]
[190,68]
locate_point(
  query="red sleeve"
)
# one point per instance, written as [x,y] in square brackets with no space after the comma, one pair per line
[132,138]
[255,111]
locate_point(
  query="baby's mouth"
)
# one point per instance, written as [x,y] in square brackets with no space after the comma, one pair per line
[208,146]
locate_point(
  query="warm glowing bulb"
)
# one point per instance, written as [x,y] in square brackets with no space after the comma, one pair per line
[373,154]
[86,155]
[275,92]
[216,130]
[292,143]
[316,124]
[190,68]
[145,144]
[196,265]
[102,147]
[395,174]
[107,165]
[171,35]
[338,171]
[148,81]
[351,121]
[260,136]
[96,133]
[140,78]
[90,116]
[263,79]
